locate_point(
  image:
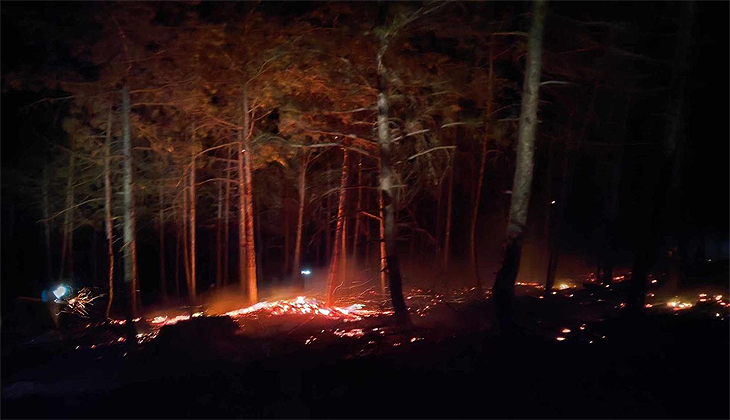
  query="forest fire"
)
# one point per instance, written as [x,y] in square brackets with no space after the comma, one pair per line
[328,209]
[304,306]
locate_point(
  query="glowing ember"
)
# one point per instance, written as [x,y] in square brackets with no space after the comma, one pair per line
[566,331]
[559,338]
[678,306]
[172,321]
[78,304]
[356,332]
[530,284]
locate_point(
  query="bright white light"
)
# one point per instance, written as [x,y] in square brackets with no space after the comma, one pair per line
[552,202]
[306,272]
[60,291]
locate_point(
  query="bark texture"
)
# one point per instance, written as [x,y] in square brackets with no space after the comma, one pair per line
[504,284]
[388,197]
[300,220]
[480,181]
[129,257]
[108,214]
[336,260]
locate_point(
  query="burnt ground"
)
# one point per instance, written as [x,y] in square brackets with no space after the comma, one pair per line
[451,364]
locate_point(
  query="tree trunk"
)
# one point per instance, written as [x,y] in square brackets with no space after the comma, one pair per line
[389,199]
[666,192]
[261,247]
[251,251]
[47,225]
[226,227]
[94,259]
[177,265]
[449,208]
[192,291]
[358,209]
[613,206]
[242,234]
[328,215]
[163,280]
[67,244]
[186,248]
[343,252]
[504,284]
[108,213]
[286,245]
[381,242]
[300,220]
[336,250]
[129,257]
[218,245]
[555,221]
[482,167]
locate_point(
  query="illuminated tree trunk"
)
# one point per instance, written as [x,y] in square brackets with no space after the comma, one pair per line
[336,250]
[108,213]
[218,245]
[226,227]
[381,242]
[67,244]
[300,220]
[388,198]
[343,252]
[129,257]
[186,248]
[177,265]
[192,290]
[286,245]
[358,209]
[251,251]
[328,217]
[47,225]
[161,222]
[504,284]
[261,248]
[242,234]
[482,167]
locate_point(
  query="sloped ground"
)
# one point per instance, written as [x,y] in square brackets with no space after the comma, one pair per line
[671,363]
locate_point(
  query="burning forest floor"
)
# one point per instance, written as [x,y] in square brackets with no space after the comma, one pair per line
[575,354]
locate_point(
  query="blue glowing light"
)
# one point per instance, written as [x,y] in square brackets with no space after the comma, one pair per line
[60,291]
